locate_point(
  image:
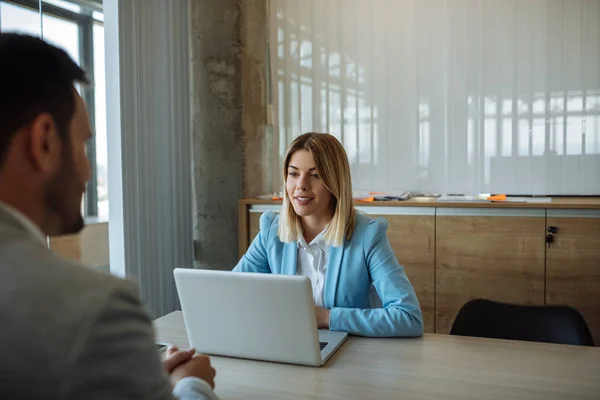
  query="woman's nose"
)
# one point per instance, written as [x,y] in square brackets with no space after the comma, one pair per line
[302,184]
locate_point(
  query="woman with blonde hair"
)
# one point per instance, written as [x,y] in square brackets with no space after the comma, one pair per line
[320,235]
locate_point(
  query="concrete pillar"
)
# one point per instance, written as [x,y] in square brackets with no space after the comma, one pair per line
[260,144]
[228,58]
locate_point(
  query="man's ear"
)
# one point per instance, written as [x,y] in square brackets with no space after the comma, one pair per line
[45,145]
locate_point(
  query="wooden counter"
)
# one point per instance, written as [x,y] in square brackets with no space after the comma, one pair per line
[557,202]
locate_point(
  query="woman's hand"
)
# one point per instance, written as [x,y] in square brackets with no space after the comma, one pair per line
[322,317]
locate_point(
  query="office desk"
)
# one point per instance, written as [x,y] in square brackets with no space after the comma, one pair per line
[432,367]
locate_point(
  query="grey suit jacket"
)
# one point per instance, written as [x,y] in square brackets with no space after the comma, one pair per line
[70,332]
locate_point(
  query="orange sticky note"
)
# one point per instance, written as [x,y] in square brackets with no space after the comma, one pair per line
[367,199]
[274,198]
[498,197]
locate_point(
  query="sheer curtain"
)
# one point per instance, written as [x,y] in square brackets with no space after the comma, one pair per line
[455,96]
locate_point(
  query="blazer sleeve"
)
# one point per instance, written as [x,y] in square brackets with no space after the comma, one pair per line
[118,357]
[256,258]
[401,314]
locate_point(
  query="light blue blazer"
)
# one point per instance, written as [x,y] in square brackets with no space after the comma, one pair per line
[367,258]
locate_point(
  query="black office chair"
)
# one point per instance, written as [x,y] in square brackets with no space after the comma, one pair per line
[546,323]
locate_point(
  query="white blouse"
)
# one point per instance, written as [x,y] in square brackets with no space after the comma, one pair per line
[312,262]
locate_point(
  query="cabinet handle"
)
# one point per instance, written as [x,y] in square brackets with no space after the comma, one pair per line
[549,239]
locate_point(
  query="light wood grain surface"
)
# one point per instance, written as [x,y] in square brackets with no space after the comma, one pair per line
[432,367]
[68,246]
[413,239]
[90,247]
[573,268]
[254,225]
[557,202]
[497,258]
[243,238]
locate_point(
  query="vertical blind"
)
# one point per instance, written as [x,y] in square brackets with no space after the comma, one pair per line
[454,96]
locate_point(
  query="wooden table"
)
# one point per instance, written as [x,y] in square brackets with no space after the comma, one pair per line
[432,367]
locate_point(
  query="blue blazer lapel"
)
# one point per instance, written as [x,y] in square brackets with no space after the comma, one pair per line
[289,260]
[332,275]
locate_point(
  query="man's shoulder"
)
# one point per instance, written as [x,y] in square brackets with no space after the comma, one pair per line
[49,307]
[36,275]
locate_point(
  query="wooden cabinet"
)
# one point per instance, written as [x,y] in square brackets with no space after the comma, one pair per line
[412,236]
[68,246]
[573,263]
[89,247]
[254,225]
[487,253]
[252,228]
[249,225]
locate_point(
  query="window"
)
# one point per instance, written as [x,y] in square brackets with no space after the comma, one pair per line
[77,27]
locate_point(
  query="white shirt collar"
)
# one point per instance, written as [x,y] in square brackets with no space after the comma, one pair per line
[32,228]
[319,240]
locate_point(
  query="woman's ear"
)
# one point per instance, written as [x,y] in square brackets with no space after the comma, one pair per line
[44,144]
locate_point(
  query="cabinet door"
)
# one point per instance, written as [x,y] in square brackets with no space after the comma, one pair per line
[497,254]
[412,236]
[68,246]
[89,247]
[252,228]
[254,225]
[573,264]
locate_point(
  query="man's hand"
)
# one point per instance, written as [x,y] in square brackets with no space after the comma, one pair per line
[322,317]
[176,357]
[199,367]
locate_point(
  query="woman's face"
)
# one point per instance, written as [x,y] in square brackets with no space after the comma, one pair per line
[305,188]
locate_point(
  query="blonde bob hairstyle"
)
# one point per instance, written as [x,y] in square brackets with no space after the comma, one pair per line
[333,167]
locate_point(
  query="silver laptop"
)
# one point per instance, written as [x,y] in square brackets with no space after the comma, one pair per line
[256,316]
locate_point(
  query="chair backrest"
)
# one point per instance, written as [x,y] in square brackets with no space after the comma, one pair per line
[545,323]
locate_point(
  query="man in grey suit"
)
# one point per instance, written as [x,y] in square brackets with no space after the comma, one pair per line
[67,331]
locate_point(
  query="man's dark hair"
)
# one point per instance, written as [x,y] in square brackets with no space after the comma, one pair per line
[35,78]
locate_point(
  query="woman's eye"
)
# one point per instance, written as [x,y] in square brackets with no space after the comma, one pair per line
[316,176]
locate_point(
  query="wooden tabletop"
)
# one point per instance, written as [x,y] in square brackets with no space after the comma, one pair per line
[431,367]
[557,202]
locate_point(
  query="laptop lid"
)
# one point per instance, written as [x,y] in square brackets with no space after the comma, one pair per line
[250,315]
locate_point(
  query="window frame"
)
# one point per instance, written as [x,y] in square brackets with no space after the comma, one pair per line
[85,23]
